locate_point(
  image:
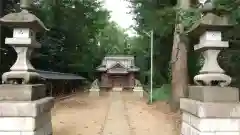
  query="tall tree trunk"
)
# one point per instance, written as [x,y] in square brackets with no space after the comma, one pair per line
[179,62]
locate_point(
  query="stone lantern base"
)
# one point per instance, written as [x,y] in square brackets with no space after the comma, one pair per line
[24,110]
[211,111]
[94,92]
[138,92]
[24,76]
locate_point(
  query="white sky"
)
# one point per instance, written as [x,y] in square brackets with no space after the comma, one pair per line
[119,13]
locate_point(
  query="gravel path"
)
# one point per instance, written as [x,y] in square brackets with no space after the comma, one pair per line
[111,114]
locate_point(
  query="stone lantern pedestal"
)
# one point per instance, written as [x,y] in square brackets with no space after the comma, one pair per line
[211,108]
[24,107]
[20,115]
[94,92]
[138,92]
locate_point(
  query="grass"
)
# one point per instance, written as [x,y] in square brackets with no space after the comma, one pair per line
[161,94]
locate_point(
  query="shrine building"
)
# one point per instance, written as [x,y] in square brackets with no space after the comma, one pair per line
[117,71]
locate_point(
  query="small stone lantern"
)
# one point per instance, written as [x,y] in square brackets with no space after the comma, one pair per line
[25,25]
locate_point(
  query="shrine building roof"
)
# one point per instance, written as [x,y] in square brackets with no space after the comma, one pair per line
[118,64]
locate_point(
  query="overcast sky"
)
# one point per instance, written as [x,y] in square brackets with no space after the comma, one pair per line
[119,13]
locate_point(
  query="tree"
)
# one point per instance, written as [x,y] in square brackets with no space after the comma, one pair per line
[179,59]
[159,16]
[71,43]
[170,22]
[113,40]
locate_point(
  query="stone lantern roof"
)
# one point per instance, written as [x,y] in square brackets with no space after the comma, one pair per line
[210,22]
[23,19]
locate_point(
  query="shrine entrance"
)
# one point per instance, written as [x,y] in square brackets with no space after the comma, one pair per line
[118,80]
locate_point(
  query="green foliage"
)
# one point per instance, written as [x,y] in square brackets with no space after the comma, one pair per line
[159,16]
[226,5]
[113,40]
[230,6]
[162,93]
[71,43]
[188,17]
[140,48]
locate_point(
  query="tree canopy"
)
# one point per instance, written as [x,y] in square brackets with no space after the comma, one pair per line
[80,35]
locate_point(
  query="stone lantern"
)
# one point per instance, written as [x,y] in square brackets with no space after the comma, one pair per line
[209,30]
[212,107]
[25,25]
[24,107]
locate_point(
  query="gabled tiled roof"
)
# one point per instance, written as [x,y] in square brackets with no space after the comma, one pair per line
[118,62]
[117,65]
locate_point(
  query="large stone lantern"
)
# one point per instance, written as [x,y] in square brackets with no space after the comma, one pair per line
[25,25]
[209,30]
[24,107]
[212,107]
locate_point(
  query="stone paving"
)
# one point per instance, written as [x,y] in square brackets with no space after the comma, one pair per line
[116,122]
[111,114]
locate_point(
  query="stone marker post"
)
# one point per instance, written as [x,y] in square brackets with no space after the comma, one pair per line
[211,108]
[24,107]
